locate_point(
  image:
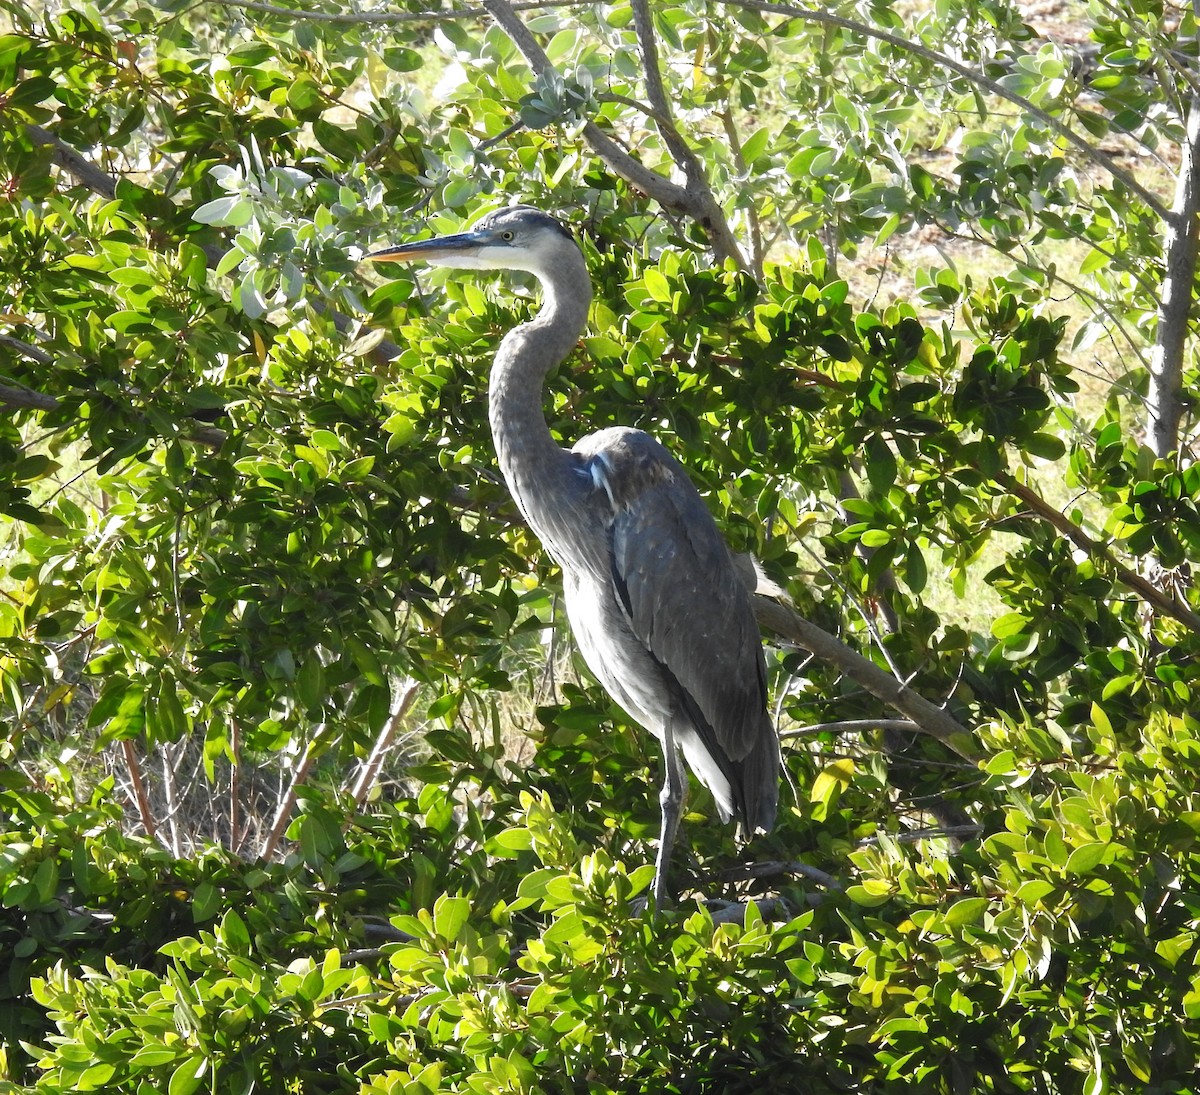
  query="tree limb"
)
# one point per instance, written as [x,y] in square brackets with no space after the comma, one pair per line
[17,395]
[388,18]
[927,718]
[1098,552]
[82,170]
[134,767]
[706,212]
[369,773]
[915,836]
[694,200]
[743,872]
[1164,399]
[283,815]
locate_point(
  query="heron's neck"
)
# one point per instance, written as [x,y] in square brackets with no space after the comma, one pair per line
[536,468]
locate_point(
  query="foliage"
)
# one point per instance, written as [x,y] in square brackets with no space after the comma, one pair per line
[251,522]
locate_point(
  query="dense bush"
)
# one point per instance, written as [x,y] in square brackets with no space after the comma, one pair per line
[302,788]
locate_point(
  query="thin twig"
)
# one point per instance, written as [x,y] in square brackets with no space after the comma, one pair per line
[849,726]
[134,768]
[284,814]
[370,770]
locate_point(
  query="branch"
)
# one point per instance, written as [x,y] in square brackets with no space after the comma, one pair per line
[850,726]
[139,789]
[734,912]
[388,18]
[284,814]
[777,869]
[370,770]
[1089,151]
[927,718]
[690,201]
[17,395]
[915,836]
[82,170]
[1097,551]
[707,212]
[1182,240]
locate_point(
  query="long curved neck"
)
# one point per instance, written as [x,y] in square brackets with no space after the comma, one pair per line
[537,470]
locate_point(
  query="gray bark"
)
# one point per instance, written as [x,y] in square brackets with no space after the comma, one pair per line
[1165,397]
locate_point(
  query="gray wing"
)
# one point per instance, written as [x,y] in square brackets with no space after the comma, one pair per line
[676,581]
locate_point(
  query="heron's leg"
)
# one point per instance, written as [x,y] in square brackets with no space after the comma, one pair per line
[671,799]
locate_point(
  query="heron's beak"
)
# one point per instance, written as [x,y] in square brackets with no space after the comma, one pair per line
[438,248]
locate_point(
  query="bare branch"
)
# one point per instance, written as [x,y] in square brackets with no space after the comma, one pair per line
[82,170]
[777,869]
[1165,397]
[26,349]
[706,210]
[849,726]
[926,717]
[690,200]
[370,770]
[284,813]
[17,395]
[915,836]
[734,912]
[134,768]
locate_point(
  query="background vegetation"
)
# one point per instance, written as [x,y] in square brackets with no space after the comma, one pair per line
[301,787]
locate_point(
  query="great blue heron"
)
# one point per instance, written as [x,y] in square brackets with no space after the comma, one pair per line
[660,614]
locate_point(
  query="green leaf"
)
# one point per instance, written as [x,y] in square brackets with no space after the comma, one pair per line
[828,785]
[869,896]
[365,658]
[1035,890]
[657,285]
[756,144]
[234,933]
[967,911]
[1008,625]
[231,212]
[880,464]
[187,1076]
[1086,858]
[449,916]
[517,839]
[206,901]
[400,59]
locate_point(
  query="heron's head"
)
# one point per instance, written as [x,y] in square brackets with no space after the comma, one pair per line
[516,238]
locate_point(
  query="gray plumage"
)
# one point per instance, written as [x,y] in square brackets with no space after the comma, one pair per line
[658,609]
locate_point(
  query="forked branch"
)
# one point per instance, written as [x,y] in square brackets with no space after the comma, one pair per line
[695,200]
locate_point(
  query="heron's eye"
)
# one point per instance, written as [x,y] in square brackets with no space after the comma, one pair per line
[506,236]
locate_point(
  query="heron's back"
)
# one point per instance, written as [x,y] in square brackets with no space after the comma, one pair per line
[664,620]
